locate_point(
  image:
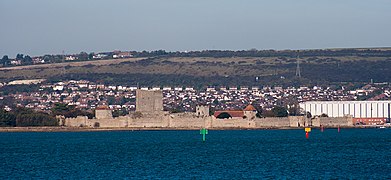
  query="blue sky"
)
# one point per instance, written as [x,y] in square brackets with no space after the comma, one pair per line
[38,27]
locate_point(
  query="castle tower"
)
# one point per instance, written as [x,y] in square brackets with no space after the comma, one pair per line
[250,112]
[103,112]
[202,111]
[149,101]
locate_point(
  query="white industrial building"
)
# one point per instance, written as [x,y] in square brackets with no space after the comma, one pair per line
[357,109]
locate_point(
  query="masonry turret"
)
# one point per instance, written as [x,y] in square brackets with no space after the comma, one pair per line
[103,112]
[202,111]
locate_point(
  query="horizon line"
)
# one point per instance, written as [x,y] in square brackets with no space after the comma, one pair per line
[186,51]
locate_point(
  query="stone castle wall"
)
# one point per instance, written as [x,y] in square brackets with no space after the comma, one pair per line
[149,113]
[79,121]
[232,123]
[335,122]
[272,122]
[188,120]
[149,122]
[299,121]
[193,121]
[103,114]
[316,122]
[109,123]
[83,121]
[188,123]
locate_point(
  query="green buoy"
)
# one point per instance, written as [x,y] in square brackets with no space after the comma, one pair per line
[204,132]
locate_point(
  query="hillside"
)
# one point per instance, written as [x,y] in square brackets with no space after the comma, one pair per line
[206,71]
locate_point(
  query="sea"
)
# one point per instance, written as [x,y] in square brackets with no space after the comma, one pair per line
[226,154]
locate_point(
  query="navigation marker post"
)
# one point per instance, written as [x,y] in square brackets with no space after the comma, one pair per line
[307,132]
[204,132]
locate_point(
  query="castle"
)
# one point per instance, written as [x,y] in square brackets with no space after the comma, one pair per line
[149,114]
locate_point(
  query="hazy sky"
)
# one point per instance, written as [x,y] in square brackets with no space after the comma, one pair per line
[38,27]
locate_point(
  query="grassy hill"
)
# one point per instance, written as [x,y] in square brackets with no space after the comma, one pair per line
[207,71]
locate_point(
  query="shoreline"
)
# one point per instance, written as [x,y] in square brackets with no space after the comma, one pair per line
[83,129]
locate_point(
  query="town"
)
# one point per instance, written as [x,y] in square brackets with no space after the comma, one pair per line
[88,95]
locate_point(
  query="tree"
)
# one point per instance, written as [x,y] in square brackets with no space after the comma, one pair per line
[175,110]
[70,111]
[259,109]
[83,56]
[91,56]
[308,115]
[120,112]
[5,60]
[60,108]
[35,119]
[28,117]
[47,58]
[7,119]
[267,113]
[111,100]
[294,110]
[27,60]
[215,102]
[19,57]
[279,111]
[122,100]
[324,115]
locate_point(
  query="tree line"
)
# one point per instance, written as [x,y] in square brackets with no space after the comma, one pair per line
[23,117]
[83,56]
[19,59]
[269,53]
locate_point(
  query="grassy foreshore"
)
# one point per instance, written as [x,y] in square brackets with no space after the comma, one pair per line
[84,129]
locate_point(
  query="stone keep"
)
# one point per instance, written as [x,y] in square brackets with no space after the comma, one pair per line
[149,101]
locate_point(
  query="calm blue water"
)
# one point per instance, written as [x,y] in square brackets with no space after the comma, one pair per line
[281,154]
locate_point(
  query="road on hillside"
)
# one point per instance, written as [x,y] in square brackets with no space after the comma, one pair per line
[74,64]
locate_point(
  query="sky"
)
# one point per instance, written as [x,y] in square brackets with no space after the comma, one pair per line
[38,27]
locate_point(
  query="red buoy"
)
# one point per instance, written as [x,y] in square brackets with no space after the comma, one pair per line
[307,135]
